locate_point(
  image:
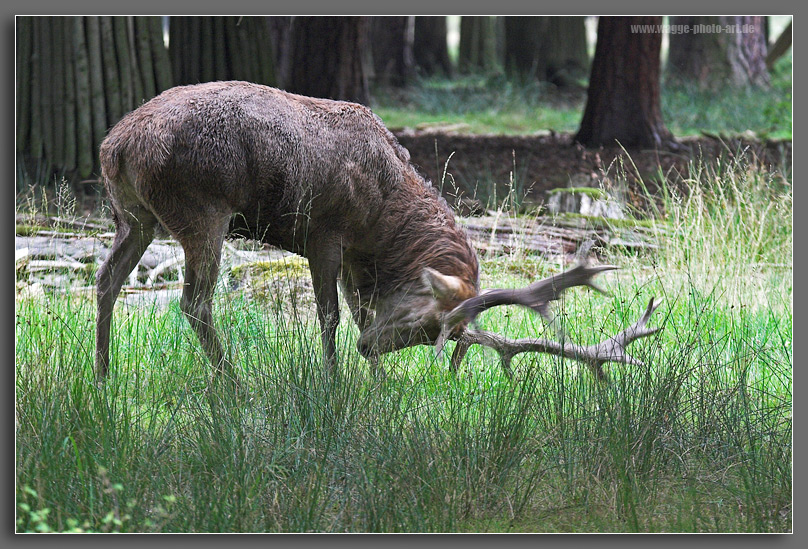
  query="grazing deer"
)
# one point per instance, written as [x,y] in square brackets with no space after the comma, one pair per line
[323,179]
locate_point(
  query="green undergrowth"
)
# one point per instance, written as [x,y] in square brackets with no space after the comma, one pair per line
[697,439]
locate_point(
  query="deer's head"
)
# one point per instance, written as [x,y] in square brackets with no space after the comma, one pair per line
[415,314]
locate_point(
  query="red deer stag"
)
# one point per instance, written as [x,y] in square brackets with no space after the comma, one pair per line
[324,179]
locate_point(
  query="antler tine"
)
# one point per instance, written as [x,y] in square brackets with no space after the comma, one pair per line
[610,350]
[536,296]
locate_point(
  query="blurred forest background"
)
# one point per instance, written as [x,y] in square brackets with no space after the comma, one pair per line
[596,81]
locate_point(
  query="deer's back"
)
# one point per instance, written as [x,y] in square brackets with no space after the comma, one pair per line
[261,151]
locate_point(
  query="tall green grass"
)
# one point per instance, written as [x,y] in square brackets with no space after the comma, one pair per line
[698,440]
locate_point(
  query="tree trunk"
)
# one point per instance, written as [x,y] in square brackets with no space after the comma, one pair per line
[391,43]
[280,32]
[57,90]
[430,50]
[327,58]
[160,60]
[84,124]
[780,47]
[69,97]
[112,83]
[98,106]
[718,50]
[563,50]
[523,46]
[45,93]
[623,98]
[478,44]
[552,49]
[747,50]
[124,61]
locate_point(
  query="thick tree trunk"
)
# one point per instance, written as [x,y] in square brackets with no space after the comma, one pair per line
[327,58]
[623,98]
[718,50]
[430,49]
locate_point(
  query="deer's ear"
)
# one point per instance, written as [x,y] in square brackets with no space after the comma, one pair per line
[443,286]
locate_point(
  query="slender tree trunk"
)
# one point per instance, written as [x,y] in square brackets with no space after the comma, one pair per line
[124,61]
[84,125]
[280,32]
[144,57]
[430,49]
[391,43]
[523,46]
[57,91]
[112,83]
[69,97]
[780,47]
[96,69]
[563,50]
[159,53]
[25,35]
[45,89]
[478,44]
[623,102]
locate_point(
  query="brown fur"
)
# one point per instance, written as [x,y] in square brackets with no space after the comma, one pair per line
[321,178]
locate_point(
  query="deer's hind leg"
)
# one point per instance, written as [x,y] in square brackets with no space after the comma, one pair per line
[202,242]
[134,232]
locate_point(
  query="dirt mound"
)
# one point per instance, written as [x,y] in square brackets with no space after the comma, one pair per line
[539,163]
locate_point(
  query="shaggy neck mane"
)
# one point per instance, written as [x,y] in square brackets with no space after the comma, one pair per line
[423,233]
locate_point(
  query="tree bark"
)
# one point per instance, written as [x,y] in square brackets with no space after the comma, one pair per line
[327,58]
[430,50]
[623,103]
[718,50]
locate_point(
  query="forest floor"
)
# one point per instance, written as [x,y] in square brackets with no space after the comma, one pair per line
[539,163]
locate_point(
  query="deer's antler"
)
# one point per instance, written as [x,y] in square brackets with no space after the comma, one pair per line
[610,350]
[536,296]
